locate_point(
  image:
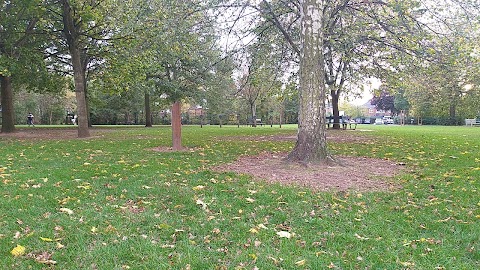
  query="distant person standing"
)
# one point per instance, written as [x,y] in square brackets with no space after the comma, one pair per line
[30,119]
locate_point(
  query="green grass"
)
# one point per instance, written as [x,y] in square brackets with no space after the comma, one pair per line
[138,209]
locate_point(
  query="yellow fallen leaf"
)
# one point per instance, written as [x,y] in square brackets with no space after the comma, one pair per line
[253,230]
[46,239]
[84,187]
[18,251]
[59,245]
[250,200]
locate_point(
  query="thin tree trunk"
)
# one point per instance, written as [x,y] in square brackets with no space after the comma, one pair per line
[148,118]
[453,113]
[176,126]
[311,145]
[8,112]
[336,110]
[253,109]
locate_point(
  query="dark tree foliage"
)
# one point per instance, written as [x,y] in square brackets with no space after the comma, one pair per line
[384,101]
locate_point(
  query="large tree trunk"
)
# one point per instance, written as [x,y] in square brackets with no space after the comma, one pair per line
[87,106]
[311,145]
[148,116]
[82,117]
[8,115]
[176,126]
[72,36]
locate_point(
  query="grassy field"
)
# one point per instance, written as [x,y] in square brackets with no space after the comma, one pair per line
[110,202]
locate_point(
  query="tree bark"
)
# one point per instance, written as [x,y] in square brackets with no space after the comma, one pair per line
[73,40]
[176,126]
[336,110]
[253,109]
[8,112]
[311,145]
[82,118]
[87,106]
[148,117]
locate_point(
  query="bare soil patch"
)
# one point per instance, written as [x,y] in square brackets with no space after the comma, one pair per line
[358,173]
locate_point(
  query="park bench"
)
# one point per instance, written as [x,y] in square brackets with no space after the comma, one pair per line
[258,122]
[343,122]
[475,122]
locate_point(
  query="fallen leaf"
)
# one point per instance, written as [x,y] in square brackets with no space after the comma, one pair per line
[66,210]
[361,237]
[261,226]
[200,202]
[199,187]
[18,251]
[300,263]
[46,239]
[284,234]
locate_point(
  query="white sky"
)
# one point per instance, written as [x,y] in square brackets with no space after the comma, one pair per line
[368,88]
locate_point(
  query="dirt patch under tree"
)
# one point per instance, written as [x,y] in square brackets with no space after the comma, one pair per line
[357,173]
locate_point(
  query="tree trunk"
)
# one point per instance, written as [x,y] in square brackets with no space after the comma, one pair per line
[336,111]
[311,145]
[253,109]
[87,106]
[78,77]
[176,126]
[148,117]
[82,119]
[72,36]
[453,113]
[8,112]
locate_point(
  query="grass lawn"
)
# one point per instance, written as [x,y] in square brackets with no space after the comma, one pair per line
[109,202]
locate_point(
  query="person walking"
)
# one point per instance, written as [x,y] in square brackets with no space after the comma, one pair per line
[30,119]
